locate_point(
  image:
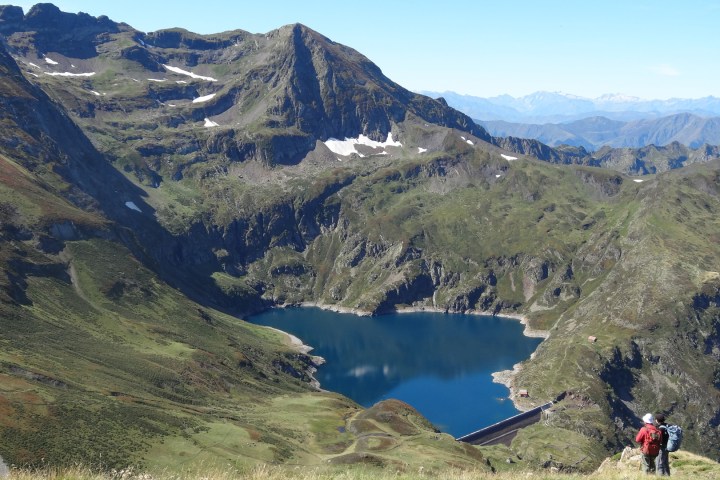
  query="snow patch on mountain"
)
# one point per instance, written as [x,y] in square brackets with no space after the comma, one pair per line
[204,98]
[347,147]
[617,98]
[189,74]
[132,206]
[69,74]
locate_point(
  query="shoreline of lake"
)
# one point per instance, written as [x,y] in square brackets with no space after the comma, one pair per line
[527,331]
[503,377]
[298,344]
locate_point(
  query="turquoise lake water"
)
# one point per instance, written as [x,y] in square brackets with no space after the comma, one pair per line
[441,364]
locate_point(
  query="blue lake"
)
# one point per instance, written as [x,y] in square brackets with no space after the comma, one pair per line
[441,364]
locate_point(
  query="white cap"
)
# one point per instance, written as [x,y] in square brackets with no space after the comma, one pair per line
[648,418]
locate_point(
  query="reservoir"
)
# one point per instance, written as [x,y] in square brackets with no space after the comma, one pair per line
[439,363]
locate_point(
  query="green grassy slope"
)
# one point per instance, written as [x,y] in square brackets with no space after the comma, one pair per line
[104,364]
[684,465]
[100,359]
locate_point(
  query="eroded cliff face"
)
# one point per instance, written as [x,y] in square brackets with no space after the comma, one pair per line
[327,247]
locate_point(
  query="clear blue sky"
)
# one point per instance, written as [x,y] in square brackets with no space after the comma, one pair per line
[645,48]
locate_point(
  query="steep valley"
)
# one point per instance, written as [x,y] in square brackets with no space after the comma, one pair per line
[157,186]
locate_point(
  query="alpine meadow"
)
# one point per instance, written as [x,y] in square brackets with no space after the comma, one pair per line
[158,188]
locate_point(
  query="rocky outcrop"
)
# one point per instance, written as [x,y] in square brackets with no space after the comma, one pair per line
[541,151]
[606,184]
[179,38]
[51,30]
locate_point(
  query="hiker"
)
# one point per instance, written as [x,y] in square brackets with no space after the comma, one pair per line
[649,438]
[662,462]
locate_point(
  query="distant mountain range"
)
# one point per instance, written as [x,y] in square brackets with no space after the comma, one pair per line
[610,120]
[593,133]
[555,107]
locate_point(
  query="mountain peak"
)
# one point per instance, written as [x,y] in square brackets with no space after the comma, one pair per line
[72,34]
[10,14]
[543,94]
[617,98]
[48,15]
[292,85]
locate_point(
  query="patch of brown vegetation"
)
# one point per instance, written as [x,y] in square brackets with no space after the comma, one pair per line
[254,435]
[398,416]
[360,426]
[376,443]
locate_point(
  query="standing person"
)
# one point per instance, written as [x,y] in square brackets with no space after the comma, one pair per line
[649,438]
[663,461]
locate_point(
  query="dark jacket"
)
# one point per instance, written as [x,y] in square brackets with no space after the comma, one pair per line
[665,435]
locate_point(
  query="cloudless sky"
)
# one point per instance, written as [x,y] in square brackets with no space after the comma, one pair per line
[645,48]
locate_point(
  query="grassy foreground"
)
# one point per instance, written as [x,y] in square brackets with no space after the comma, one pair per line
[684,465]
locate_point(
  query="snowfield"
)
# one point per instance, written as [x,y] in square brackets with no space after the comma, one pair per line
[69,74]
[203,98]
[189,74]
[347,147]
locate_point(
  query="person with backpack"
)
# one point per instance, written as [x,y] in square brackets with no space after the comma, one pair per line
[662,462]
[650,440]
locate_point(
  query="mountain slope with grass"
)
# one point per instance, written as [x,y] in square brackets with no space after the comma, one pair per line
[623,466]
[104,363]
[159,182]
